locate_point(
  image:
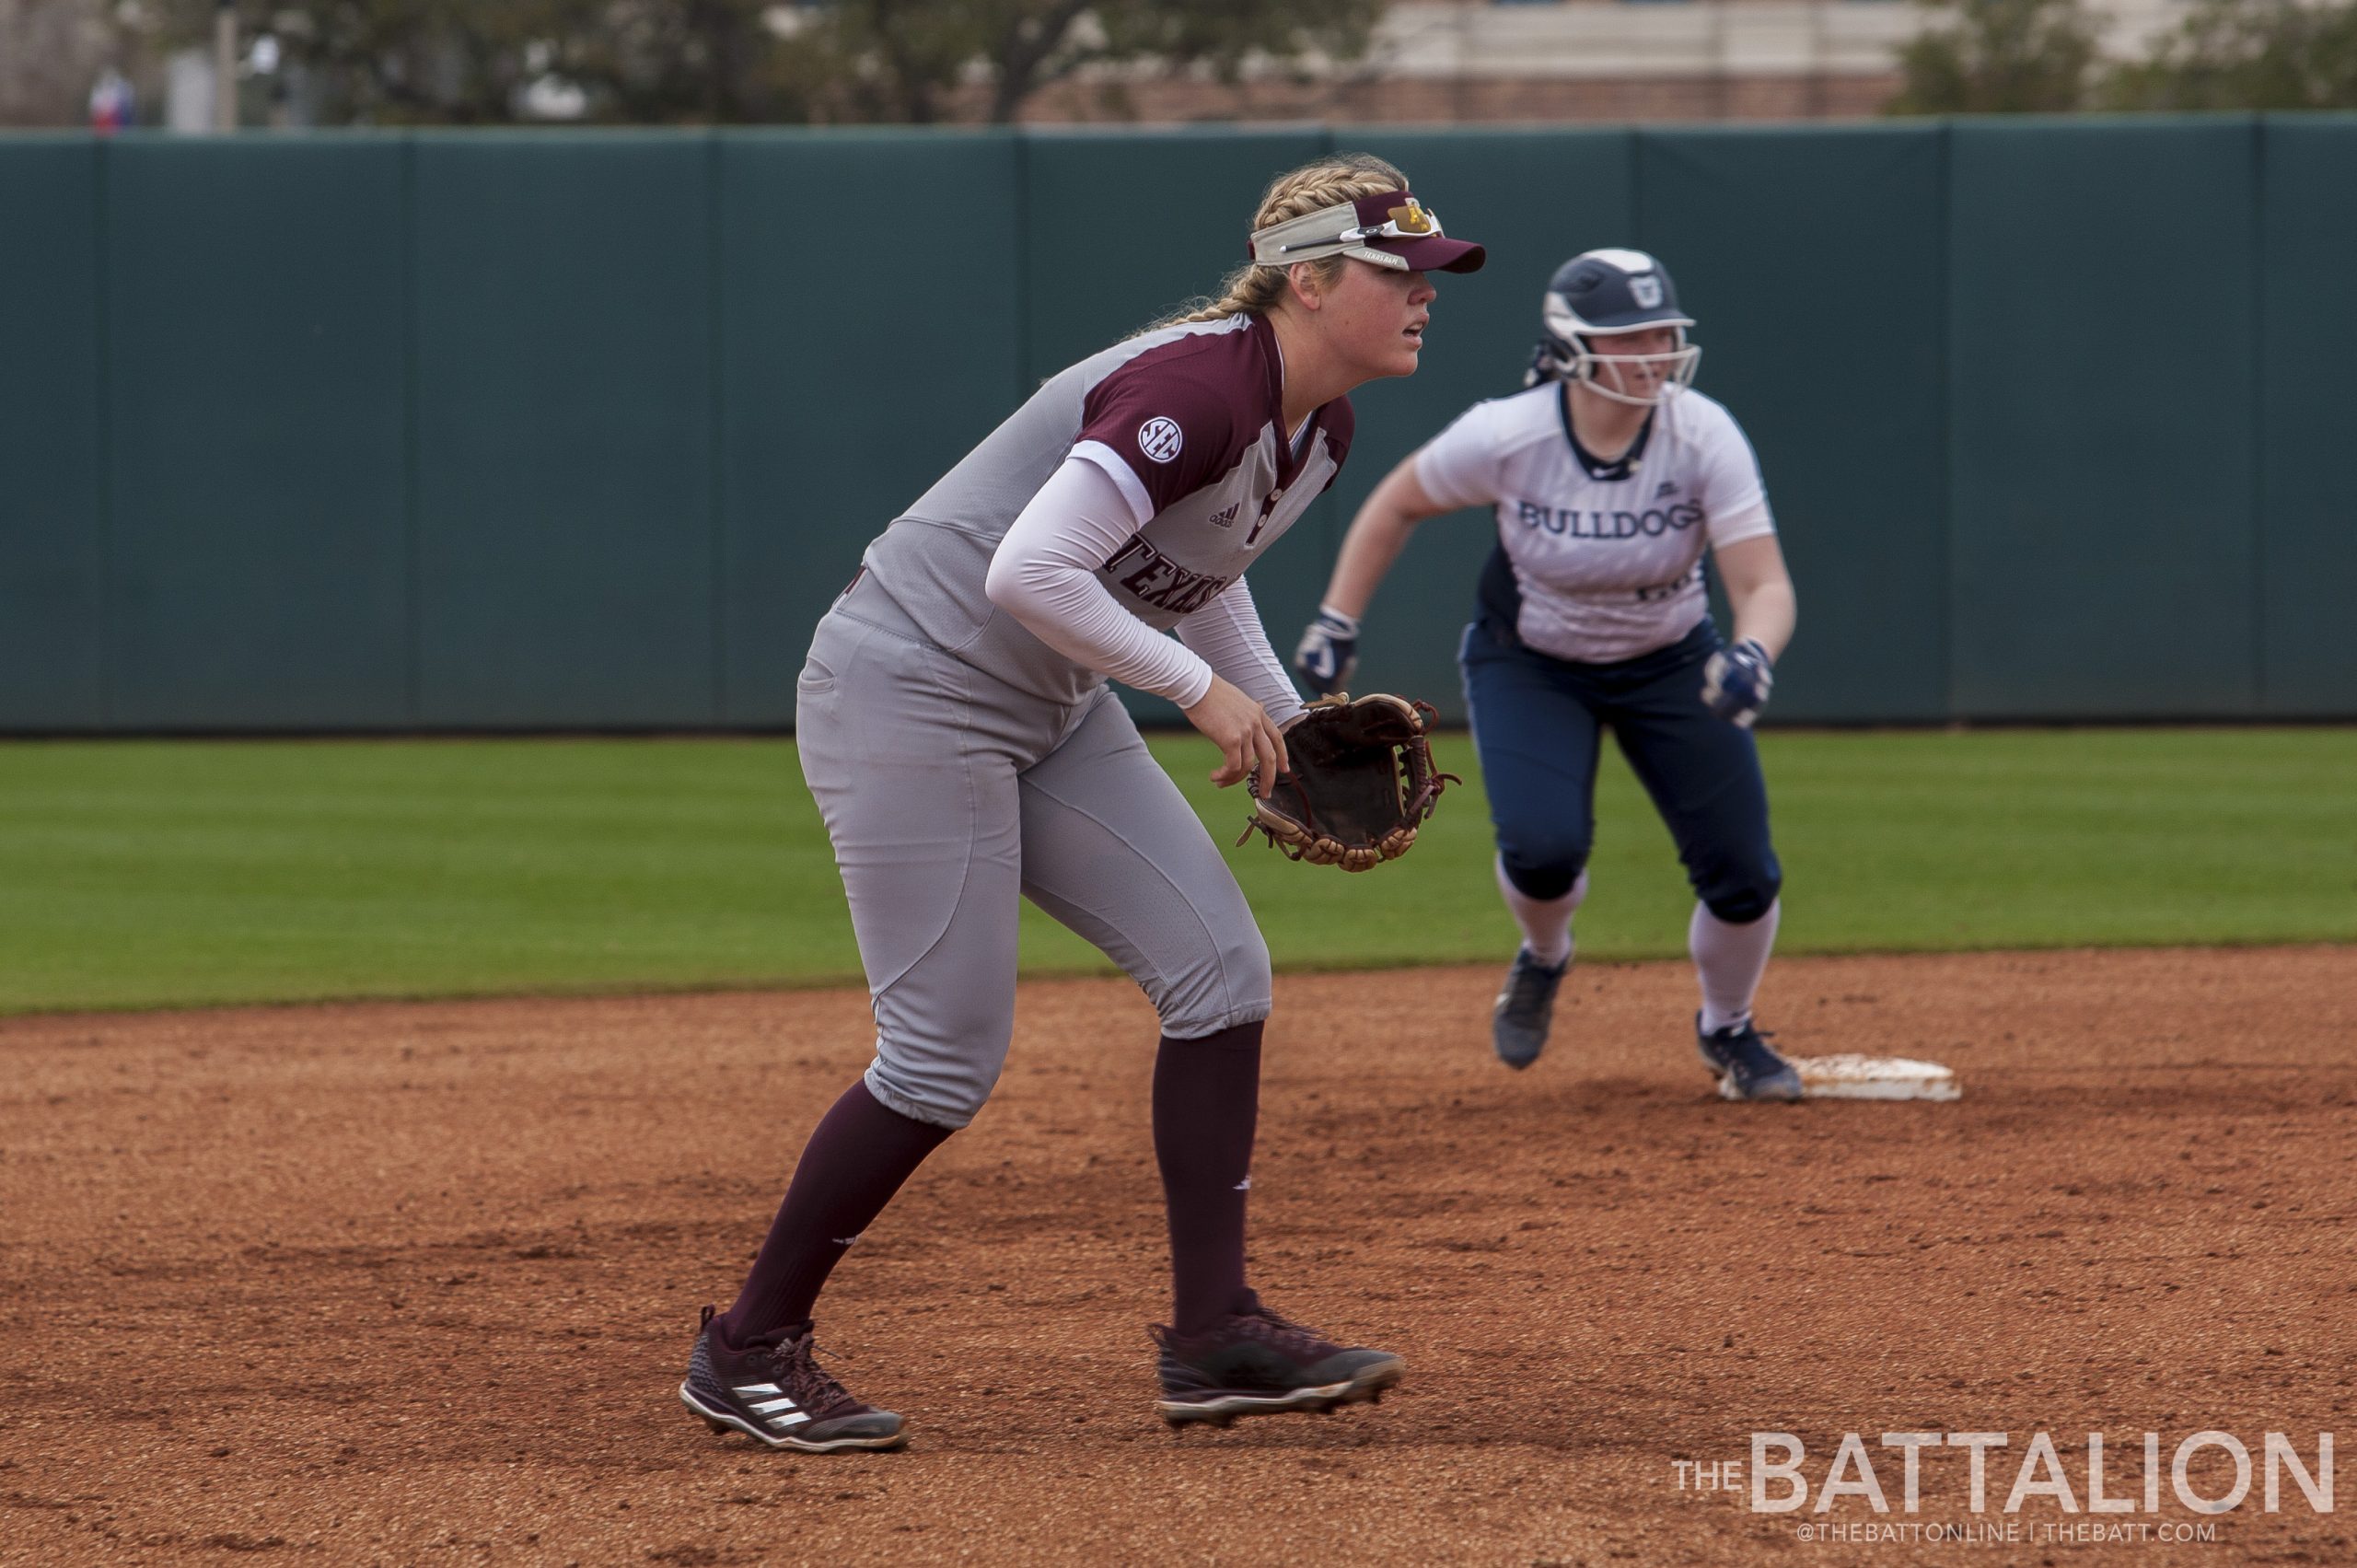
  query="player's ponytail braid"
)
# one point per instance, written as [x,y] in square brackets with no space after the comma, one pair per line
[1313,187]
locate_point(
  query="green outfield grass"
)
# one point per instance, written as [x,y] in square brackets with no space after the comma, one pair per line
[154,874]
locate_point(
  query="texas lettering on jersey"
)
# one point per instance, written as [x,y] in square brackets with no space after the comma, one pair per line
[1159,581]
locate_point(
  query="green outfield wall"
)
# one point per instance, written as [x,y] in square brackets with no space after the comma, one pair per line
[582,430]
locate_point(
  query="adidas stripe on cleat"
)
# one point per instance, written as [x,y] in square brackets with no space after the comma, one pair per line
[774,1392]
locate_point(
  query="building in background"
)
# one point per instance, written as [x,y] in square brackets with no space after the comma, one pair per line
[1429,62]
[1452,62]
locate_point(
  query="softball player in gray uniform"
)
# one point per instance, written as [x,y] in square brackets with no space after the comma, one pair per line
[1607,478]
[956,728]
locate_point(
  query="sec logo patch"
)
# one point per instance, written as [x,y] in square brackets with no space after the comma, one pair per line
[1160,439]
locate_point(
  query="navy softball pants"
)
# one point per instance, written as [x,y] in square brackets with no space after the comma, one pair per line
[1539,724]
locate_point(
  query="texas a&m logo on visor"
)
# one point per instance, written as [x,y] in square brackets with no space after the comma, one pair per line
[1411,218]
[1159,439]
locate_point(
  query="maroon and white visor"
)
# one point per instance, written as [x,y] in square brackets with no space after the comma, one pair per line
[1391,229]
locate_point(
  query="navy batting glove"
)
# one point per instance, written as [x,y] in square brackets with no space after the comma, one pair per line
[1736,681]
[1328,651]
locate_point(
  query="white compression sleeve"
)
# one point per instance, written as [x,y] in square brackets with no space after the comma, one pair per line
[1045,576]
[1729,960]
[1546,922]
[1228,633]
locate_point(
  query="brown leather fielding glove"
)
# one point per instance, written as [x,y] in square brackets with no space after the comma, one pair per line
[1361,781]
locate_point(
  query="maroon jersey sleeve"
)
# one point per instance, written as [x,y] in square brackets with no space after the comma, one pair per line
[1171,420]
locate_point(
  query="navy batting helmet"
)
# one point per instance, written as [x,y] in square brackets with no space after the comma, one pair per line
[1603,293]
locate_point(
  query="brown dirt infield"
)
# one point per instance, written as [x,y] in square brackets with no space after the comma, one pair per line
[414,1283]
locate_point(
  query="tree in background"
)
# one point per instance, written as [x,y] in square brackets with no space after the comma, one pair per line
[1999,56]
[51,51]
[717,61]
[479,62]
[2247,54]
[473,62]
[905,59]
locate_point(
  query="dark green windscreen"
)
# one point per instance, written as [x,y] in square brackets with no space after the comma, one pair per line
[2103,532]
[256,549]
[2307,520]
[565,335]
[52,595]
[564,429]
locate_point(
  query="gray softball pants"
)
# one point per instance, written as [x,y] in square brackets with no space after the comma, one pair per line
[947,793]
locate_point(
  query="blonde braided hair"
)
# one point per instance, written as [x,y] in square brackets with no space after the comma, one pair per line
[1329,182]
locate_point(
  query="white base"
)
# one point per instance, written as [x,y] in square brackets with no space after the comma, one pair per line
[1874,1077]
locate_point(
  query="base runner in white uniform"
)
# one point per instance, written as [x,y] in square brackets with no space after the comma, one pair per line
[956,728]
[1608,476]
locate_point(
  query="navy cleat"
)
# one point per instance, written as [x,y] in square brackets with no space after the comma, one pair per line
[1255,1363]
[1526,1006]
[1747,1068]
[774,1392]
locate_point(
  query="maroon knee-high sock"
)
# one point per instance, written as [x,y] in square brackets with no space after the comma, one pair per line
[1206,1101]
[857,1157]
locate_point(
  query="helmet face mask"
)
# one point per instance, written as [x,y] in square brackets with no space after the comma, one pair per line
[1598,296]
[1588,359]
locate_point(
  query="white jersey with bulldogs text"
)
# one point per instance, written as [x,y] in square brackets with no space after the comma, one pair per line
[1186,420]
[1606,557]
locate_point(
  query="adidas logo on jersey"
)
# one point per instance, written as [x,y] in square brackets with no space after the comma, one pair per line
[1225,520]
[1667,487]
